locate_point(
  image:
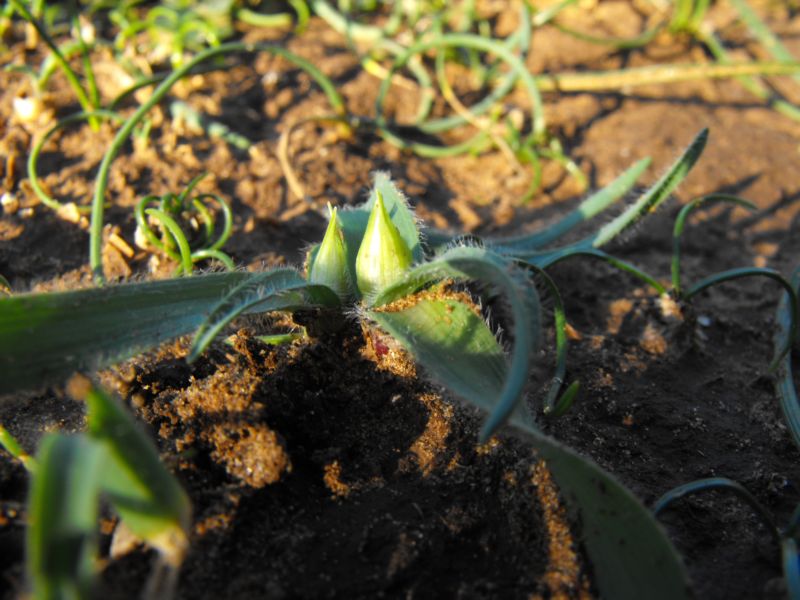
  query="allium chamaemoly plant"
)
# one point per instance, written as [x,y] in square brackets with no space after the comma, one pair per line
[374,264]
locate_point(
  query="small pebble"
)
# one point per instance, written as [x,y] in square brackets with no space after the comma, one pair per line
[10,203]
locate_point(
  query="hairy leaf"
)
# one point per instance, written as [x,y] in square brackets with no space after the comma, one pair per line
[471,264]
[590,207]
[282,289]
[46,337]
[451,342]
[648,202]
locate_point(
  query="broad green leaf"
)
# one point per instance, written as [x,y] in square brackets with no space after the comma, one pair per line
[452,343]
[63,505]
[631,556]
[147,497]
[505,388]
[46,337]
[282,289]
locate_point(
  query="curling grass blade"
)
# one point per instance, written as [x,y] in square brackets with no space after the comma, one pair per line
[680,224]
[761,272]
[722,484]
[282,289]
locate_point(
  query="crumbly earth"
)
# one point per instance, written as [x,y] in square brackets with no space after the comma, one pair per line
[315,472]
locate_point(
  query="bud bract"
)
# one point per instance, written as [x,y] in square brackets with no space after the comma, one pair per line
[329,266]
[383,256]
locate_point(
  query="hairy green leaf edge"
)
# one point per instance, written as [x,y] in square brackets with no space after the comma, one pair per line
[592,206]
[465,263]
[648,202]
[282,289]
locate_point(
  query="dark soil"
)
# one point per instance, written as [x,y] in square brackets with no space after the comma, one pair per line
[315,470]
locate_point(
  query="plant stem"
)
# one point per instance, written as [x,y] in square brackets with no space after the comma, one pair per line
[96,228]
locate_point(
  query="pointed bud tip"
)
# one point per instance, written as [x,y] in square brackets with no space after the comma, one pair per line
[383,256]
[329,266]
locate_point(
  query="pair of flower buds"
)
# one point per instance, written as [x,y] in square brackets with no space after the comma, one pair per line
[383,256]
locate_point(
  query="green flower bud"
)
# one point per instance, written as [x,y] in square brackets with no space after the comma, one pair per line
[329,266]
[383,256]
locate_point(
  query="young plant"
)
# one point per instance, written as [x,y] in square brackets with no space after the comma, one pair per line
[374,264]
[788,538]
[173,215]
[88,97]
[112,460]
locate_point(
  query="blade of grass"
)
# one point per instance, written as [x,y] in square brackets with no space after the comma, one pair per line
[9,443]
[615,80]
[33,157]
[750,272]
[680,223]
[721,484]
[784,384]
[147,497]
[763,33]
[69,73]
[552,401]
[655,195]
[466,41]
[548,260]
[751,84]
[590,207]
